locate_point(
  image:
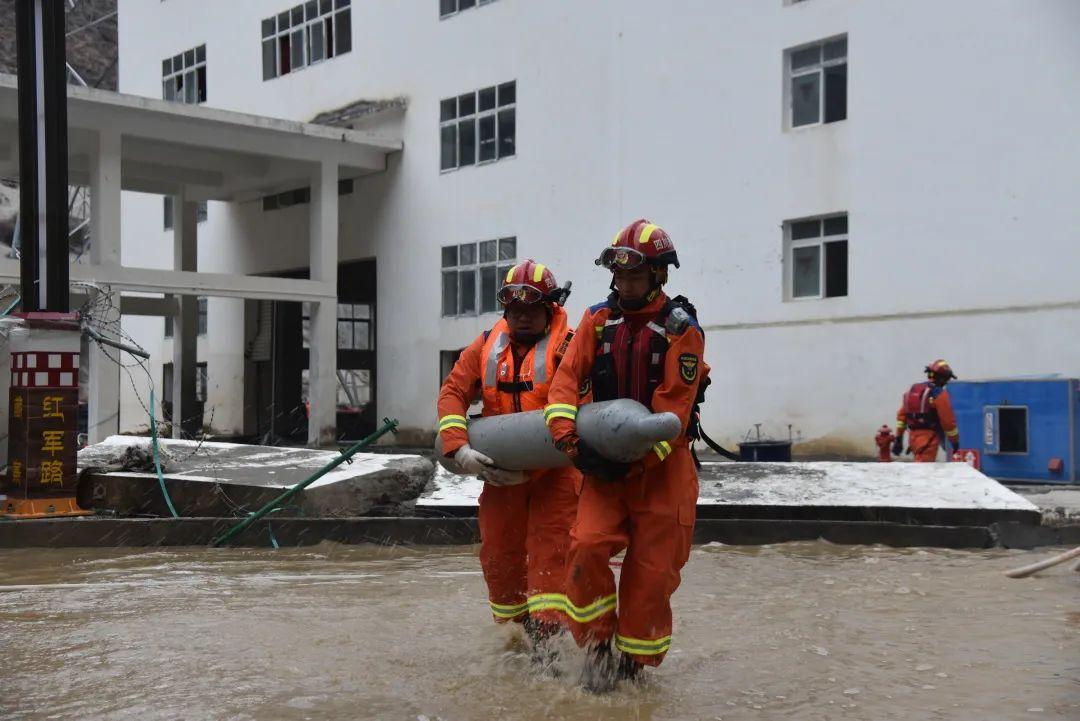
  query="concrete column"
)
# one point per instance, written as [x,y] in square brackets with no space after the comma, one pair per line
[322,360]
[103,393]
[185,323]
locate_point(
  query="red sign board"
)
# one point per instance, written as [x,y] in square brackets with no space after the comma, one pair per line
[969,456]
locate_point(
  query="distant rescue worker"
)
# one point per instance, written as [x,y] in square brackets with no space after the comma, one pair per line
[927,412]
[524,517]
[643,345]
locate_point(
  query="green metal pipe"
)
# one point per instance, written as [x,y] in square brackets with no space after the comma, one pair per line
[116,344]
[11,307]
[387,427]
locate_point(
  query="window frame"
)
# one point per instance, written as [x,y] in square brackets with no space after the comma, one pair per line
[193,66]
[458,9]
[993,434]
[819,69]
[349,317]
[202,381]
[311,22]
[353,320]
[202,319]
[476,268]
[476,117]
[819,241]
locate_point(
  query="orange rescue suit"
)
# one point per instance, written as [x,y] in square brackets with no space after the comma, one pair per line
[524,529]
[926,410]
[650,514]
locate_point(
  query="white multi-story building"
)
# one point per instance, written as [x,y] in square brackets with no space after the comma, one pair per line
[854,188]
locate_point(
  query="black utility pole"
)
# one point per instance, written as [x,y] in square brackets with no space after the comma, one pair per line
[43,163]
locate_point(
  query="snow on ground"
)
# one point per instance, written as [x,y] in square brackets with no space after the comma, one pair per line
[897,485]
[450,489]
[270,465]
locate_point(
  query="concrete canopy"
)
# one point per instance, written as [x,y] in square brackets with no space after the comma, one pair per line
[123,142]
[212,154]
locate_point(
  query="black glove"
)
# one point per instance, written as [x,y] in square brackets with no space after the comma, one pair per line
[898,446]
[589,461]
[956,445]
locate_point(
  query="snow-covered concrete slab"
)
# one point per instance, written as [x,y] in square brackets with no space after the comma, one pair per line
[236,475]
[897,485]
[450,489]
[907,492]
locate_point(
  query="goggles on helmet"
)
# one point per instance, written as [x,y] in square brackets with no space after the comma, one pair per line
[621,258]
[520,293]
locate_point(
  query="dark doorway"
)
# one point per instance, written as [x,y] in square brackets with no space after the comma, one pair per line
[281,372]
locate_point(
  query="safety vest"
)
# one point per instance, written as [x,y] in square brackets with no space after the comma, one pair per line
[919,406]
[630,363]
[511,389]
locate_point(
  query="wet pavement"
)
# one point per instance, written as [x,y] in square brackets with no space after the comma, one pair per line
[793,631]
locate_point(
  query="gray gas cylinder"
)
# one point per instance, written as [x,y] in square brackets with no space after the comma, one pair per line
[622,430]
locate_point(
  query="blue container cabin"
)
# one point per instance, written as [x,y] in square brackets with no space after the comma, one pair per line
[1027,429]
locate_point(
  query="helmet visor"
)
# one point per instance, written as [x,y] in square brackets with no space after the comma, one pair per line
[519,292]
[621,258]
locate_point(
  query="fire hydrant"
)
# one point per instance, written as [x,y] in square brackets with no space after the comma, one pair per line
[884,440]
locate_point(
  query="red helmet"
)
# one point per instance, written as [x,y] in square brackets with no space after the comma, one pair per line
[940,369]
[638,243]
[530,282]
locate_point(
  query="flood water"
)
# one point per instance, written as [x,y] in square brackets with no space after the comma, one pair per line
[793,631]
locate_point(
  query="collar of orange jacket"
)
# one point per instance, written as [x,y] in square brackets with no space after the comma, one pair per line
[652,307]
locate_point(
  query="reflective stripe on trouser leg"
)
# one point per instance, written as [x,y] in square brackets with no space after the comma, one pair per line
[642,647]
[662,512]
[502,519]
[552,508]
[599,534]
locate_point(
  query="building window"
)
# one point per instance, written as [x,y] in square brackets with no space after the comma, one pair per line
[354,326]
[447,359]
[817,257]
[817,83]
[201,324]
[453,7]
[167,383]
[1013,422]
[471,273]
[300,196]
[167,206]
[478,127]
[183,76]
[307,34]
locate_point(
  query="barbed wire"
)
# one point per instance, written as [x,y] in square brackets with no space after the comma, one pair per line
[101,313]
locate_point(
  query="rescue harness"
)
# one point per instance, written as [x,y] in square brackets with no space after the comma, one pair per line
[630,364]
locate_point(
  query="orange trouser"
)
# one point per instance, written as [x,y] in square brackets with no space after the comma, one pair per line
[652,516]
[924,443]
[524,537]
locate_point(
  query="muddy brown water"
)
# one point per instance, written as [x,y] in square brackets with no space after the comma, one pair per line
[793,631]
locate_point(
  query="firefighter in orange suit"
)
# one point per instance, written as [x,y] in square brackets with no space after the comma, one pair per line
[643,345]
[926,411]
[524,517]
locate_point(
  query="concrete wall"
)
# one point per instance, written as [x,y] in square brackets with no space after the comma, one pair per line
[954,166]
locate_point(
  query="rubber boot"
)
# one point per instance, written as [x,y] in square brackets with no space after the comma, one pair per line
[628,668]
[541,649]
[598,674]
